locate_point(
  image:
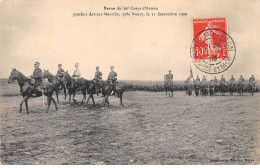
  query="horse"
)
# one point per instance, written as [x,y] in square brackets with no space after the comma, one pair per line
[232,88]
[189,89]
[56,82]
[108,87]
[26,89]
[216,88]
[211,89]
[223,88]
[204,89]
[250,87]
[91,89]
[240,88]
[73,87]
[168,87]
[197,88]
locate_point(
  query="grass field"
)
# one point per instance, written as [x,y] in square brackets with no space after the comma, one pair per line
[150,129]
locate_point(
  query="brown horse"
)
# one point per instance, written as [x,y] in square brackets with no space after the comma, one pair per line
[73,87]
[26,89]
[56,82]
[110,86]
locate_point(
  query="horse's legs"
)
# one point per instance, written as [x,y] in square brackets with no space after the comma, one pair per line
[70,97]
[88,98]
[26,105]
[74,97]
[84,96]
[93,100]
[64,90]
[49,103]
[54,102]
[107,100]
[21,103]
[121,98]
[57,94]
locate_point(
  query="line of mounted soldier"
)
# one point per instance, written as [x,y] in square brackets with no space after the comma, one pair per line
[45,83]
[221,86]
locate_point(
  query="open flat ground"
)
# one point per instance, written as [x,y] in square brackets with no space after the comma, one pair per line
[150,129]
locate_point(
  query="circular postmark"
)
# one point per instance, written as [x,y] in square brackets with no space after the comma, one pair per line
[213,51]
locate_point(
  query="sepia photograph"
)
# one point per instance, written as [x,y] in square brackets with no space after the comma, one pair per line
[129,82]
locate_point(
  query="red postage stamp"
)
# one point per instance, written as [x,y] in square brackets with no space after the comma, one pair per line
[212,50]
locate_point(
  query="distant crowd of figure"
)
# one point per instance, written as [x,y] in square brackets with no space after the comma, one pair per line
[214,86]
[222,80]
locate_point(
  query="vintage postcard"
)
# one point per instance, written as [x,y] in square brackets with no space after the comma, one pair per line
[129,82]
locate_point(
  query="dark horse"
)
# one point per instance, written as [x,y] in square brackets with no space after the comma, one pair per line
[223,88]
[73,87]
[26,88]
[56,82]
[232,88]
[108,87]
[250,88]
[204,89]
[211,89]
[168,87]
[91,88]
[197,88]
[240,88]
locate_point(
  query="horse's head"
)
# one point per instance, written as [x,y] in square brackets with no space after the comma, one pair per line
[66,77]
[46,74]
[13,76]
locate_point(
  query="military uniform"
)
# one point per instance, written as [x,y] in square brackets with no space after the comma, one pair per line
[98,75]
[232,80]
[251,79]
[37,75]
[215,80]
[198,79]
[112,75]
[204,79]
[169,76]
[76,75]
[223,80]
[60,72]
[241,79]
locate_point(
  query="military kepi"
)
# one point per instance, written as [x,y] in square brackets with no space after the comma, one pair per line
[36,63]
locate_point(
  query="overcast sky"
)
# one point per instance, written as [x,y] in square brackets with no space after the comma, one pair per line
[139,48]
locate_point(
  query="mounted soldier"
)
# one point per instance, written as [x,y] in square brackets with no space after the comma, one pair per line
[232,79]
[198,79]
[76,74]
[97,79]
[60,72]
[215,81]
[204,79]
[168,83]
[241,79]
[252,80]
[240,85]
[36,79]
[112,78]
[223,80]
[169,77]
